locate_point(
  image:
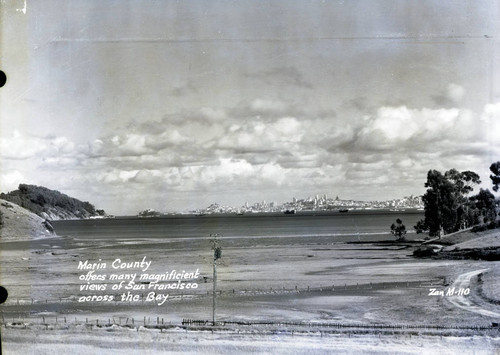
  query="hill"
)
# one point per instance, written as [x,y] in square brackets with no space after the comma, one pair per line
[467,244]
[50,204]
[18,223]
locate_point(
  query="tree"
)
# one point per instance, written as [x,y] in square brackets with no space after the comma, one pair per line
[495,178]
[464,181]
[439,202]
[484,205]
[421,227]
[445,201]
[398,230]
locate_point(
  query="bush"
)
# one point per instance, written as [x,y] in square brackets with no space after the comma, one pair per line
[424,252]
[421,227]
[484,227]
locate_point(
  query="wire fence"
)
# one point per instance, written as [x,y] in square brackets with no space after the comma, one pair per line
[419,285]
[194,322]
[51,321]
[259,327]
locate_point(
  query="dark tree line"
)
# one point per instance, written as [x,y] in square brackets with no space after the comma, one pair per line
[448,205]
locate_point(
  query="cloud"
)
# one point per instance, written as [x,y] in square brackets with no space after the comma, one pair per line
[267,106]
[266,150]
[114,176]
[259,136]
[146,176]
[22,147]
[19,146]
[451,96]
[10,180]
[132,144]
[95,147]
[213,114]
[455,92]
[59,162]
[395,128]
[226,171]
[490,117]
[168,138]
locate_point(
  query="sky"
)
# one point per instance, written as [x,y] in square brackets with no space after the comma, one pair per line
[174,105]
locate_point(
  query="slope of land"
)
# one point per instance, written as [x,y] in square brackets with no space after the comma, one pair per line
[470,245]
[50,204]
[483,245]
[21,224]
[486,239]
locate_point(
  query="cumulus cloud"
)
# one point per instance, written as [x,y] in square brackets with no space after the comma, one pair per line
[10,180]
[259,136]
[395,128]
[491,112]
[115,176]
[21,147]
[146,176]
[265,149]
[133,144]
[226,171]
[168,138]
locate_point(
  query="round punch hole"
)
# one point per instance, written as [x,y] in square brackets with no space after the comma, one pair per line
[3,294]
[3,78]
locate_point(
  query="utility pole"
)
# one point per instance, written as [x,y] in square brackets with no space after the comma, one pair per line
[217,255]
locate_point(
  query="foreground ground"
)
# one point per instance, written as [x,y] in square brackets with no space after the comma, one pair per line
[131,341]
[308,281]
[298,283]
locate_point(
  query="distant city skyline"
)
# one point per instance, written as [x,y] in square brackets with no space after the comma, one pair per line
[318,203]
[175,105]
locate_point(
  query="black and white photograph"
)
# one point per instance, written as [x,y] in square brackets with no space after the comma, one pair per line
[249,177]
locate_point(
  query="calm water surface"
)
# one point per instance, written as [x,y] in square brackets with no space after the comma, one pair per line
[337,227]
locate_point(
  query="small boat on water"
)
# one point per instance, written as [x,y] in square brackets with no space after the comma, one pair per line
[290,212]
[343,210]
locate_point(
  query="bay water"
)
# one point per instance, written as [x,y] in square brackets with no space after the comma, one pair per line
[248,229]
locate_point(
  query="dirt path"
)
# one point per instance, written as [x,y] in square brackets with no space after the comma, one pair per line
[462,301]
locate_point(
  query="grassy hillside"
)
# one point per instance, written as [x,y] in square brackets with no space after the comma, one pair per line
[21,224]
